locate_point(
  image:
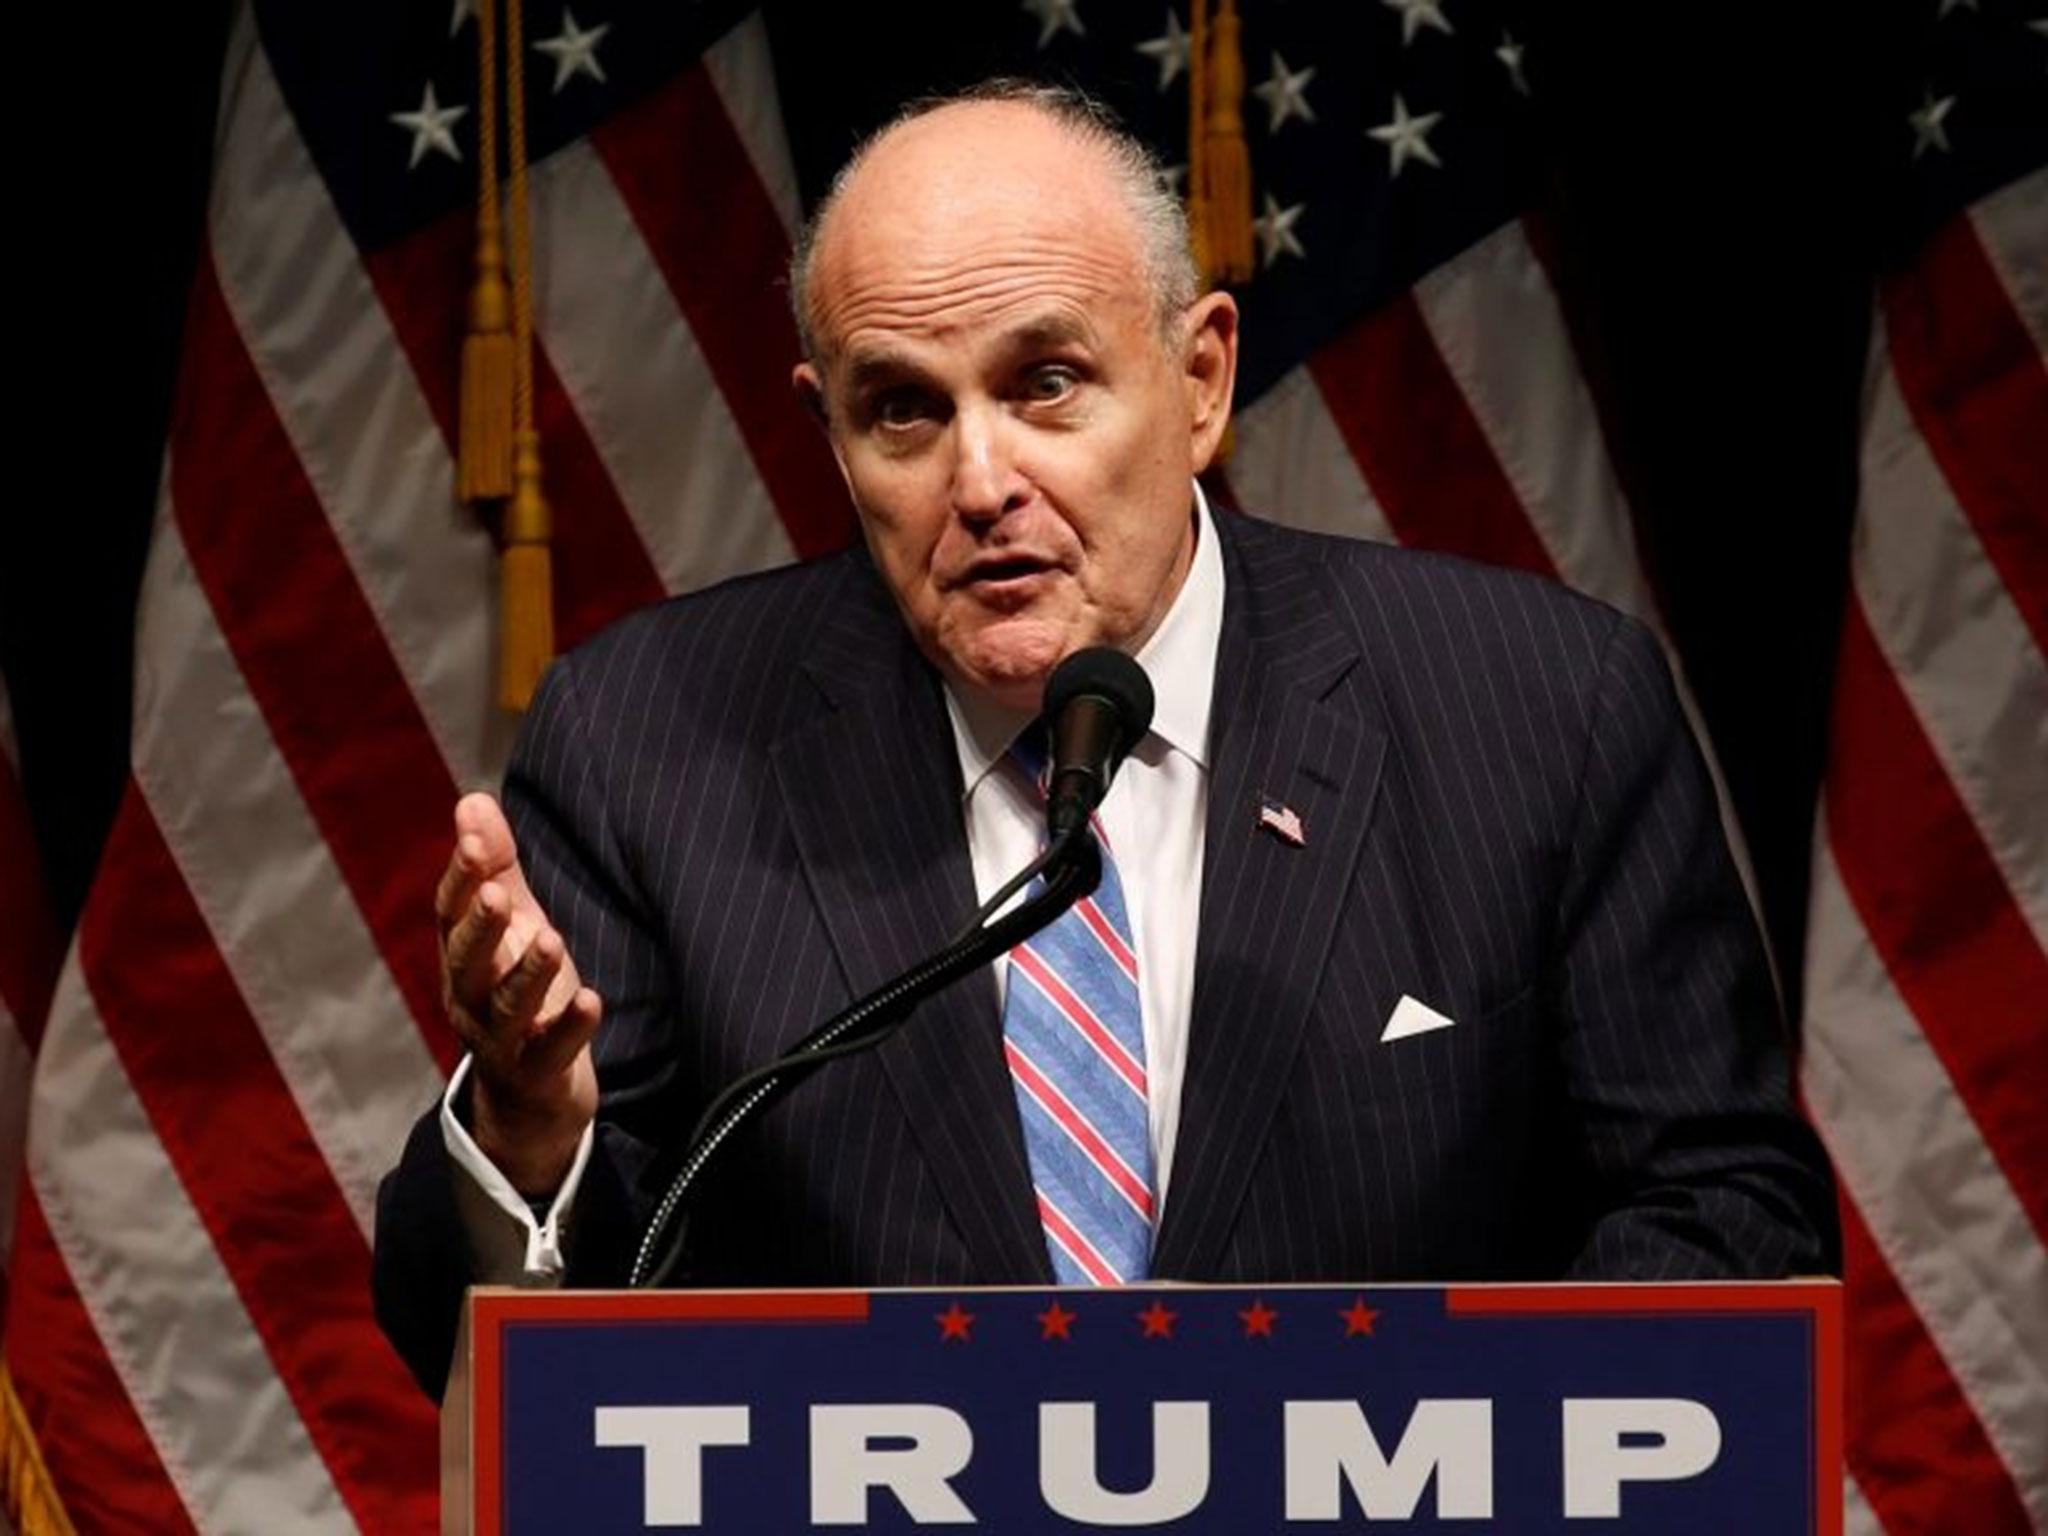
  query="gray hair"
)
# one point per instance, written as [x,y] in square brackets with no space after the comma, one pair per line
[1141,177]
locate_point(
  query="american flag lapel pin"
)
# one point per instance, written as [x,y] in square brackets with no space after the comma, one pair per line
[1282,821]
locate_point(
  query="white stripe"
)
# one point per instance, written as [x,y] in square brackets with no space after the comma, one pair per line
[1292,465]
[1955,638]
[641,384]
[2013,225]
[187,1353]
[742,70]
[272,896]
[1858,1518]
[1938,1205]
[16,1064]
[349,403]
[1497,324]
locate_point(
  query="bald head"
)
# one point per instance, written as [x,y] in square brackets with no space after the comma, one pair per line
[1008,160]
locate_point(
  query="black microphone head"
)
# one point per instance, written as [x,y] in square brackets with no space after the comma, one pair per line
[1110,675]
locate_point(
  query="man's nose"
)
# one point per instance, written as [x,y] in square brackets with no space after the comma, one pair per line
[986,480]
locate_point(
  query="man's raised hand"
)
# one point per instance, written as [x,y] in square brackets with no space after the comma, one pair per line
[514,996]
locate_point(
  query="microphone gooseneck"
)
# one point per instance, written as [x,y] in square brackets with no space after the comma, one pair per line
[1100,703]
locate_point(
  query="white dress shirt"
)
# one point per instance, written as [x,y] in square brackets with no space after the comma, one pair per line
[1154,816]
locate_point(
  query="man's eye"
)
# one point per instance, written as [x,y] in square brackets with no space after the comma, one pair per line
[1053,382]
[899,408]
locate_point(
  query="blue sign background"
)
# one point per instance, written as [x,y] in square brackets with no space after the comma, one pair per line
[1752,1369]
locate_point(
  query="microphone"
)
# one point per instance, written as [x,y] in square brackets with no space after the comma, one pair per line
[1099,703]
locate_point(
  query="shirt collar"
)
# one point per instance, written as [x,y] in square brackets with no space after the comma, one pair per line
[1180,659]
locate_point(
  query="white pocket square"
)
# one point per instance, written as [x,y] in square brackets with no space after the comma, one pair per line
[1412,1018]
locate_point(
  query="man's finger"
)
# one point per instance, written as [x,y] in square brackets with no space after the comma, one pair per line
[470,953]
[515,1001]
[570,1033]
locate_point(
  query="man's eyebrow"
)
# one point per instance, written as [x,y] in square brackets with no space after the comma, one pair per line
[1052,330]
[871,366]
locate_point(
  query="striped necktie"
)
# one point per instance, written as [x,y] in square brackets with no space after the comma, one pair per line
[1076,1046]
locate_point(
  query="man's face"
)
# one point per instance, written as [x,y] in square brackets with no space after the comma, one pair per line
[1017,435]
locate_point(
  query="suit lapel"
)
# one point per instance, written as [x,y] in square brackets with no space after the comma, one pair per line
[1283,728]
[877,820]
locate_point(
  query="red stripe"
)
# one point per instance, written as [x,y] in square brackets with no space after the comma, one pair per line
[1939,912]
[1418,444]
[601,567]
[1083,1018]
[1079,1249]
[715,235]
[234,1134]
[1099,1152]
[1978,390]
[30,949]
[1916,1446]
[311,650]
[1099,925]
[103,1463]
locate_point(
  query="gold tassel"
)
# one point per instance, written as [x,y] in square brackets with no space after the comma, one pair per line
[483,459]
[27,1496]
[1227,161]
[526,640]
[484,463]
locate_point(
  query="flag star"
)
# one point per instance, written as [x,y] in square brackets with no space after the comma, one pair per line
[1158,1322]
[1169,49]
[1056,1322]
[574,50]
[1955,5]
[1258,1320]
[954,1323]
[465,10]
[1417,14]
[1275,229]
[1055,17]
[1358,1319]
[1510,55]
[429,127]
[1928,132]
[1285,94]
[1406,137]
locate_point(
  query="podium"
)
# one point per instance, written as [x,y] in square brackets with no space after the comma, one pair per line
[1674,1408]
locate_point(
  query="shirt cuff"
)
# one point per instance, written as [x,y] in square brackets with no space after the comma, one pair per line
[510,1240]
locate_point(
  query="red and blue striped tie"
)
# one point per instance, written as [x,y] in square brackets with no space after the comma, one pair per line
[1076,1045]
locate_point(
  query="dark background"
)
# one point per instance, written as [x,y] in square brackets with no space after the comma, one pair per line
[1715,188]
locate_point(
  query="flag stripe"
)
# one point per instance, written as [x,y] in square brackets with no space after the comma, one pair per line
[350,410]
[601,567]
[1974,379]
[294,940]
[742,68]
[1497,324]
[641,385]
[160,1301]
[311,650]
[105,1468]
[280,1227]
[1927,1187]
[2013,224]
[1960,648]
[1934,904]
[1291,464]
[728,287]
[1917,1450]
[1429,464]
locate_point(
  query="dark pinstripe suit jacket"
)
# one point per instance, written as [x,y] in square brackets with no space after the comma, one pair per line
[742,809]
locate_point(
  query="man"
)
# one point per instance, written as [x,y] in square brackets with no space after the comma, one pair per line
[1434,966]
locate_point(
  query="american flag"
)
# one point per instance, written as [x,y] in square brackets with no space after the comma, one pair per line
[248,1019]
[1926,975]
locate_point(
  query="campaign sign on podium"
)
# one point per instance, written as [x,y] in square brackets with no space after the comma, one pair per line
[1664,1408]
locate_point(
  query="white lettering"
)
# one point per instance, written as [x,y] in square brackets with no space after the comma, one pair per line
[1329,1444]
[672,1442]
[1180,1466]
[846,1462]
[1596,1463]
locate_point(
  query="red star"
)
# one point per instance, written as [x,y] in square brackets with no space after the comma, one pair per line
[1358,1318]
[1258,1320]
[1055,1321]
[954,1323]
[1158,1321]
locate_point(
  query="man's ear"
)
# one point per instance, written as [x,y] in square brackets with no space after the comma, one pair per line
[810,391]
[1210,372]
